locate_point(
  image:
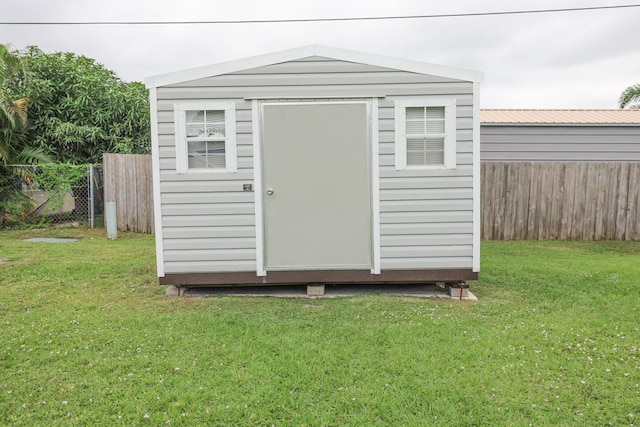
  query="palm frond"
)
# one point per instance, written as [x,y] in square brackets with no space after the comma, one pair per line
[32,155]
[11,65]
[20,107]
[7,118]
[5,154]
[12,110]
[630,94]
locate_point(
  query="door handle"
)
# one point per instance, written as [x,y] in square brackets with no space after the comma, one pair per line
[270,191]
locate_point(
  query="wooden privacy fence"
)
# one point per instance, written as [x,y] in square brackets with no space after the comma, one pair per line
[560,200]
[128,182]
[519,200]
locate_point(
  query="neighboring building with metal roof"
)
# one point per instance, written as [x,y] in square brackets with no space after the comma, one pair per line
[560,135]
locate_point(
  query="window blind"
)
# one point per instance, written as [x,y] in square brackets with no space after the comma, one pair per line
[425,131]
[206,154]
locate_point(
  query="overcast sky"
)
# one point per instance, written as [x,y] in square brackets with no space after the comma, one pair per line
[580,59]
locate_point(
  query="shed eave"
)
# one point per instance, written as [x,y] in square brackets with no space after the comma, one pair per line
[558,124]
[308,51]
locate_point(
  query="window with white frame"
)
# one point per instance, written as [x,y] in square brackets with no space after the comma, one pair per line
[425,134]
[205,137]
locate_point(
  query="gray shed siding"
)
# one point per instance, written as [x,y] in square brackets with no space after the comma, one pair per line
[557,142]
[426,217]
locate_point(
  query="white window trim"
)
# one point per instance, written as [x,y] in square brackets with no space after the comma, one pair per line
[449,129]
[182,158]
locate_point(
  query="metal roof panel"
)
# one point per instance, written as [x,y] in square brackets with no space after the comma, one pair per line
[544,116]
[309,51]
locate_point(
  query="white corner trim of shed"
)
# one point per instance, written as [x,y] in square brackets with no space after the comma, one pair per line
[316,165]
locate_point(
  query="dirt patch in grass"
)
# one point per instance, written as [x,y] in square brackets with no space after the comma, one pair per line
[22,261]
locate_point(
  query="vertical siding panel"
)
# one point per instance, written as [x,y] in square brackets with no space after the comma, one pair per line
[609,188]
[621,203]
[545,190]
[611,192]
[554,184]
[633,219]
[533,202]
[566,210]
[541,197]
[517,197]
[142,211]
[590,202]
[109,177]
[131,215]
[554,207]
[489,194]
[121,201]
[483,192]
[579,204]
[498,202]
[600,200]
[522,194]
[510,200]
[636,194]
[148,190]
[151,198]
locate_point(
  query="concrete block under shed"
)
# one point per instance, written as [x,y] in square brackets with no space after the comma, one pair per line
[459,291]
[315,290]
[172,291]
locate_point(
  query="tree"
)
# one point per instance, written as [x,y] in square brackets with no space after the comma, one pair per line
[13,113]
[14,144]
[14,147]
[80,110]
[629,96]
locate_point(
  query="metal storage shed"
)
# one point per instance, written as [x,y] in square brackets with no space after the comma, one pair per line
[560,135]
[316,165]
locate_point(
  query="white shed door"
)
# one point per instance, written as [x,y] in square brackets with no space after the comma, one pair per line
[317,213]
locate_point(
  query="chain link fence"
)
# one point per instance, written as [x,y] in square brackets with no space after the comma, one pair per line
[51,194]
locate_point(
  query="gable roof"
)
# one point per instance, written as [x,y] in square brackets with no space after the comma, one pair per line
[554,117]
[308,51]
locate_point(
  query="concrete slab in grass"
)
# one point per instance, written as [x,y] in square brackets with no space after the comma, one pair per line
[330,291]
[52,239]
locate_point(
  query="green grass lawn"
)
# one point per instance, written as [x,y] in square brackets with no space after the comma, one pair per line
[88,338]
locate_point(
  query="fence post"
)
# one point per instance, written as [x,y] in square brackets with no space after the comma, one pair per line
[111,219]
[91,196]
